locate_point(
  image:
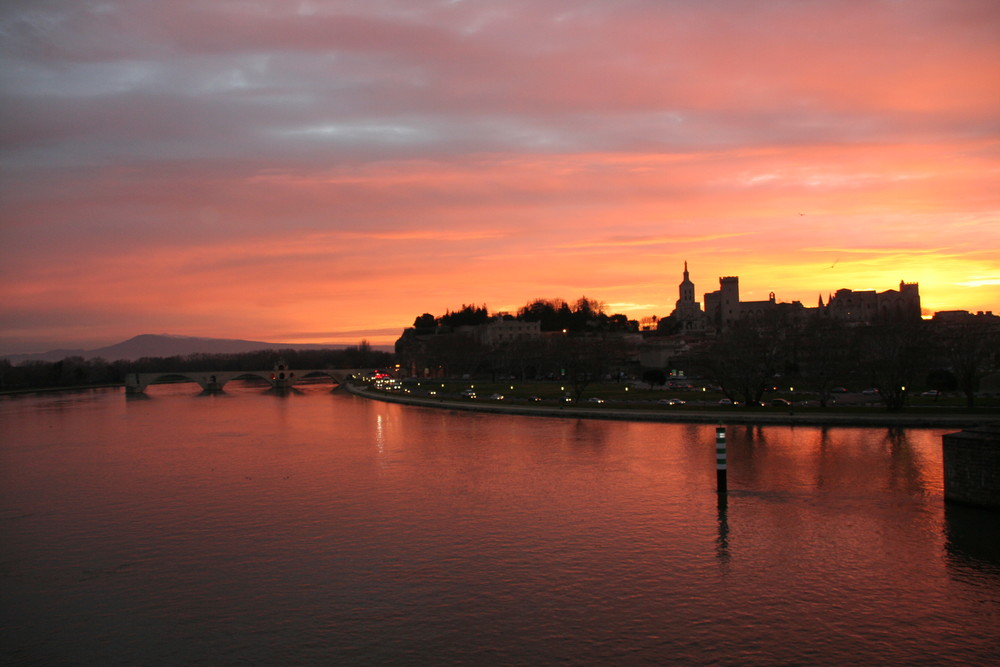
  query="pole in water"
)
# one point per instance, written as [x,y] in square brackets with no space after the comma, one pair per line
[720,459]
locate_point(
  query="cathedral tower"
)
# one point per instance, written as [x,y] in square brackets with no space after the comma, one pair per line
[687,316]
[686,288]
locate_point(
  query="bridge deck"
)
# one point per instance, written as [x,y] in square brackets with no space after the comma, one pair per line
[136,383]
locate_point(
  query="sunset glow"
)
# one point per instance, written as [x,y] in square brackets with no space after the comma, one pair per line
[325,171]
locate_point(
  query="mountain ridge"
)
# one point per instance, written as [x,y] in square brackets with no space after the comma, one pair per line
[168,345]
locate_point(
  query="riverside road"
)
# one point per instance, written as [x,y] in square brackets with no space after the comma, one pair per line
[829,417]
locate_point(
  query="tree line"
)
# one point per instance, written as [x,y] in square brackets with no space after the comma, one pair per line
[585,315]
[79,372]
[583,344]
[895,356]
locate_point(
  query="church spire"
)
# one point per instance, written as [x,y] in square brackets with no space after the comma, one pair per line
[686,288]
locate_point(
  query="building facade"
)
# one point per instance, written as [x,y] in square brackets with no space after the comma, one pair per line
[865,307]
[723,307]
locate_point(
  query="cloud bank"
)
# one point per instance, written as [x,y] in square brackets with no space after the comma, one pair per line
[284,171]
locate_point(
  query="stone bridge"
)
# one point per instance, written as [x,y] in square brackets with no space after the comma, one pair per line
[210,381]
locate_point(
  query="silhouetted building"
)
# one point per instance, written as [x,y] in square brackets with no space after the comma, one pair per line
[866,306]
[499,330]
[723,307]
[687,317]
[964,317]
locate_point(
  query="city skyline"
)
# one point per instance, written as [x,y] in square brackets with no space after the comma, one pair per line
[326,171]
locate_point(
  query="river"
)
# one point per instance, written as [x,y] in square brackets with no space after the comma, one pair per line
[319,527]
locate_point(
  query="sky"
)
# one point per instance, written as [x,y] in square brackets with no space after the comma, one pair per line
[326,171]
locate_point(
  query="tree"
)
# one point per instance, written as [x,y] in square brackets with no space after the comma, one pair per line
[893,350]
[970,349]
[742,361]
[425,321]
[582,360]
[621,323]
[553,315]
[826,350]
[468,316]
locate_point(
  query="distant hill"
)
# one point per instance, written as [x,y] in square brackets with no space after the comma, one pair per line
[165,345]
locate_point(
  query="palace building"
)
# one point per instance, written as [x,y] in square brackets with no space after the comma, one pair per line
[723,307]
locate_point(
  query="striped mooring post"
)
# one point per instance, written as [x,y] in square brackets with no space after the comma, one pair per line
[720,459]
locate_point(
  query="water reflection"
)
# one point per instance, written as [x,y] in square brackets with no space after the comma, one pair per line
[906,472]
[972,551]
[331,529]
[830,459]
[380,434]
[722,541]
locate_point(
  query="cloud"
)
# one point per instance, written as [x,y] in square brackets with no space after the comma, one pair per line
[274,162]
[652,241]
[979,282]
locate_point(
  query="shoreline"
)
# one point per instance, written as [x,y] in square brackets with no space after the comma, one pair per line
[736,416]
[22,391]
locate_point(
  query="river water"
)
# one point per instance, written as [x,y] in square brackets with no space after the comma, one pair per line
[318,527]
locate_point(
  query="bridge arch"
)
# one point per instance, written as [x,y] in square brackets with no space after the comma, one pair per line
[336,376]
[165,378]
[283,378]
[243,375]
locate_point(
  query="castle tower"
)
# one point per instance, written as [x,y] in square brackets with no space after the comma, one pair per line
[729,286]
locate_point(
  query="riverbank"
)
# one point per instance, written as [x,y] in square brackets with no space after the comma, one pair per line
[829,417]
[22,391]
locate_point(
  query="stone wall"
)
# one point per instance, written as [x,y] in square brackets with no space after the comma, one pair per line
[972,466]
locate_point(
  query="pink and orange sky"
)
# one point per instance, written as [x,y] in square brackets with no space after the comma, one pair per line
[325,171]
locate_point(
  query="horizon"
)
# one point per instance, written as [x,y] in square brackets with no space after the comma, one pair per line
[389,342]
[120,341]
[324,172]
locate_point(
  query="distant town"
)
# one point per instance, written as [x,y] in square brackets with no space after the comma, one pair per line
[875,339]
[850,343]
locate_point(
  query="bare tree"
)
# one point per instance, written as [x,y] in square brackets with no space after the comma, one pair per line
[827,350]
[582,360]
[742,361]
[894,350]
[971,349]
